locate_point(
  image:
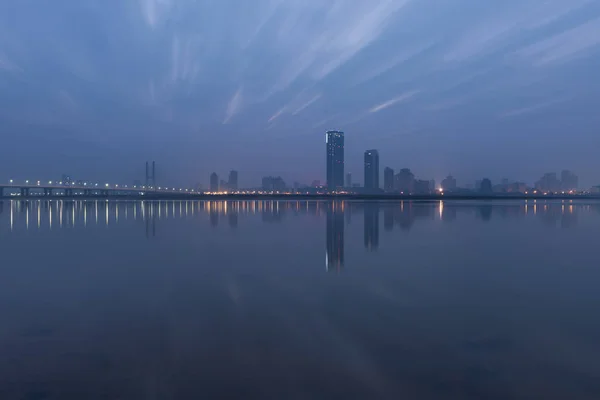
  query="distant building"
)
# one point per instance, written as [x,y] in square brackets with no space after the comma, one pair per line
[334,141]
[449,183]
[214,182]
[421,187]
[388,179]
[517,187]
[233,180]
[371,169]
[223,186]
[316,183]
[486,186]
[348,180]
[548,183]
[404,181]
[273,184]
[569,181]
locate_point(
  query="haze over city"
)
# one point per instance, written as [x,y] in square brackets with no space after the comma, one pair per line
[498,89]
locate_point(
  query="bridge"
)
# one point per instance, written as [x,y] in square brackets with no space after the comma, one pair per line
[49,188]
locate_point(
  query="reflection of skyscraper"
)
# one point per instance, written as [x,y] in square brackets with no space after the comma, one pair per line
[371,170]
[334,253]
[371,226]
[335,159]
[233,219]
[388,217]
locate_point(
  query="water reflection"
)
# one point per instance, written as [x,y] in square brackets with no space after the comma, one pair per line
[371,213]
[448,300]
[39,214]
[403,215]
[25,214]
[334,253]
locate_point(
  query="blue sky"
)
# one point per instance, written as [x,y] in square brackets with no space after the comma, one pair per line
[496,88]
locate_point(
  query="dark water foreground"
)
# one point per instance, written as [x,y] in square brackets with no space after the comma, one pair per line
[299,300]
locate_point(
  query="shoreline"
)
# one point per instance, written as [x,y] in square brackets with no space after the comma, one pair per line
[306,197]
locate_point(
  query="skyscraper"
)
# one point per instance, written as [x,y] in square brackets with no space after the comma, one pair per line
[372,169]
[348,180]
[214,182]
[388,179]
[334,141]
[233,180]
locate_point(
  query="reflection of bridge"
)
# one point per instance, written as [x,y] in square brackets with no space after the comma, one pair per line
[56,189]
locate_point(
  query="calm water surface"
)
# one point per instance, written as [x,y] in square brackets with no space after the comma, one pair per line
[299,300]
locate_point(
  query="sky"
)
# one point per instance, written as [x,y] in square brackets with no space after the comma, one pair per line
[472,88]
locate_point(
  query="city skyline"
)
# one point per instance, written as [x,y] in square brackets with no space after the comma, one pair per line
[504,89]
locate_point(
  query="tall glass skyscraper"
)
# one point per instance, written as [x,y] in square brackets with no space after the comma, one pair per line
[371,169]
[335,159]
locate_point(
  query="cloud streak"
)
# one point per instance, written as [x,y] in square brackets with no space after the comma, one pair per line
[399,99]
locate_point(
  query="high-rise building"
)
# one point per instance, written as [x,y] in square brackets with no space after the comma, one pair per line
[334,141]
[569,181]
[371,169]
[549,183]
[404,181]
[233,180]
[348,180]
[449,183]
[485,186]
[214,182]
[388,179]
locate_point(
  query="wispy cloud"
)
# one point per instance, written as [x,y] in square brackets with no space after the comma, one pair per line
[403,97]
[306,105]
[488,35]
[233,106]
[316,50]
[277,114]
[565,45]
[397,60]
[534,108]
[153,10]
